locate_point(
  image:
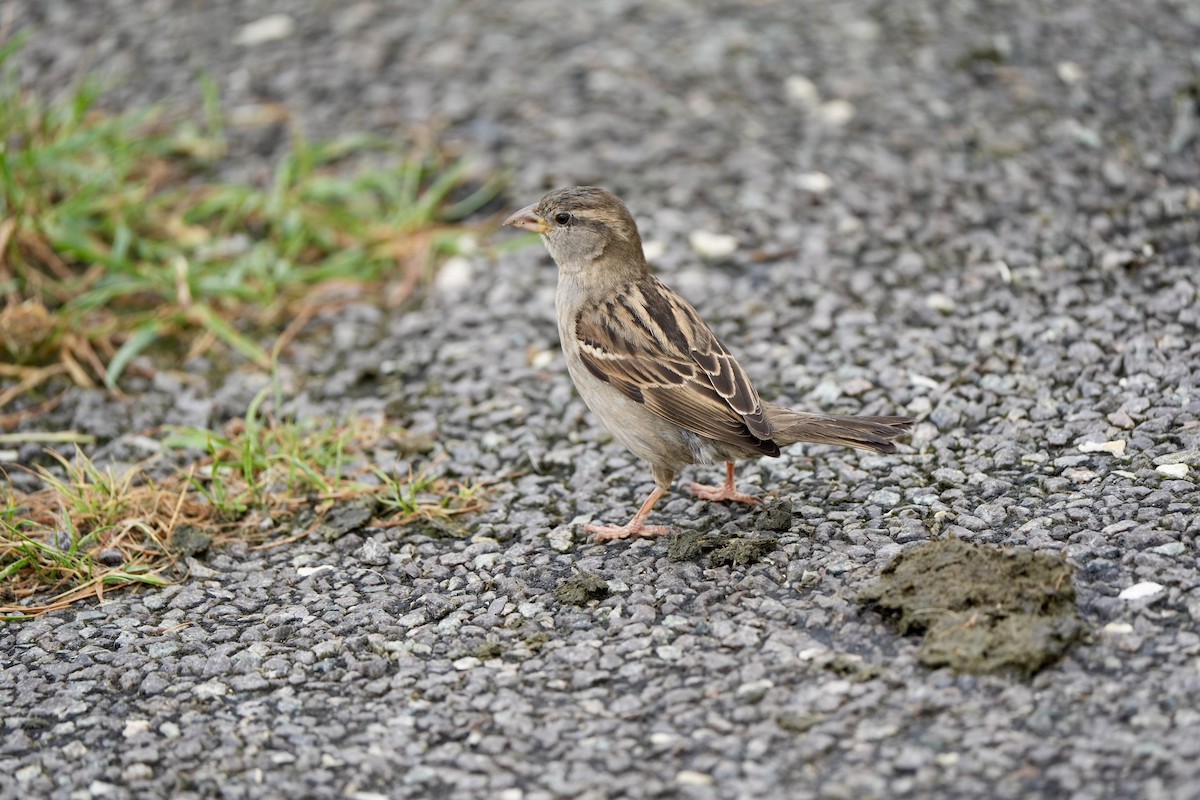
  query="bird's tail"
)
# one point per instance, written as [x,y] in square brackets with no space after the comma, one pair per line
[868,433]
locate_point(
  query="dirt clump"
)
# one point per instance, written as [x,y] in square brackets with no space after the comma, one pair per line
[981,609]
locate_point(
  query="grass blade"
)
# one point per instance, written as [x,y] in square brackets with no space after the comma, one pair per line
[134,346]
[205,317]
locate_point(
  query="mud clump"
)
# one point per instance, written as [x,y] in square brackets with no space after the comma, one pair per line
[581,589]
[733,551]
[486,650]
[741,552]
[691,545]
[188,540]
[855,669]
[981,609]
[776,515]
[797,723]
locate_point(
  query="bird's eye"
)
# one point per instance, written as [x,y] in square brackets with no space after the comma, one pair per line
[562,218]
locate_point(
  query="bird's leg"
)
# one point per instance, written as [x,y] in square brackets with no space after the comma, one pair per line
[723,493]
[636,526]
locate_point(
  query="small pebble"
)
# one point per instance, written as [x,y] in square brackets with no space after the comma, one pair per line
[374,552]
[1173,470]
[837,112]
[1115,447]
[940,303]
[814,182]
[1069,72]
[753,691]
[712,245]
[1140,591]
[268,29]
[801,91]
[688,777]
[133,727]
[455,274]
[653,250]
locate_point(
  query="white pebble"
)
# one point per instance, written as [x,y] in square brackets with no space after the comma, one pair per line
[653,250]
[135,726]
[849,224]
[561,539]
[925,382]
[668,652]
[454,275]
[210,690]
[1069,72]
[856,386]
[1180,457]
[814,182]
[1140,590]
[712,245]
[689,777]
[268,29]
[530,609]
[467,244]
[662,739]
[540,359]
[940,303]
[1115,447]
[1172,470]
[837,112]
[801,90]
[1115,259]
[485,561]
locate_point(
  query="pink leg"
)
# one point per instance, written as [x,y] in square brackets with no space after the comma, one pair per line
[723,493]
[636,526]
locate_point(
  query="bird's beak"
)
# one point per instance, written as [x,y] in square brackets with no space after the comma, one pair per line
[527,220]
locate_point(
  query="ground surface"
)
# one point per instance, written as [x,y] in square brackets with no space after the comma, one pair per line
[981,214]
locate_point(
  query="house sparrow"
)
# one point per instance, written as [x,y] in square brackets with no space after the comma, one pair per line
[646,363]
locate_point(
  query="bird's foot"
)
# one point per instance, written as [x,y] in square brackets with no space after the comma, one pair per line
[720,494]
[607,533]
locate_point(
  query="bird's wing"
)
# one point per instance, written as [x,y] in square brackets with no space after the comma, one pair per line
[651,345]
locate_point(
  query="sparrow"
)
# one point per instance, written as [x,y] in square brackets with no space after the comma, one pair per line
[652,370]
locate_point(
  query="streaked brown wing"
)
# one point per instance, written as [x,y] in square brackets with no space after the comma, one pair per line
[652,346]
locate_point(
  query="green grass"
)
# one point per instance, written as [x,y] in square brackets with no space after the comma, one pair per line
[90,528]
[264,463]
[117,236]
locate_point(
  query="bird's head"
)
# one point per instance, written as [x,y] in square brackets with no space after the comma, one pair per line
[584,228]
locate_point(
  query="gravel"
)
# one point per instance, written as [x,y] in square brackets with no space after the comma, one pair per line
[983,215]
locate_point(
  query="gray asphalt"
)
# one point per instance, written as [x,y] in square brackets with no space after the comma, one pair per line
[984,215]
